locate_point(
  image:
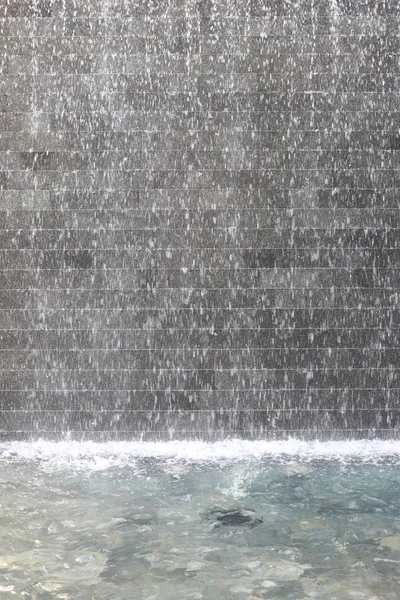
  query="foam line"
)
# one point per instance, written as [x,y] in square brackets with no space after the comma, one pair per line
[113,454]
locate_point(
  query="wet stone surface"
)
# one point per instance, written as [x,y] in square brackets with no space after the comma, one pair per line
[201,182]
[226,517]
[265,529]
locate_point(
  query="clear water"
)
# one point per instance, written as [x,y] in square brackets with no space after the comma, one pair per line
[235,520]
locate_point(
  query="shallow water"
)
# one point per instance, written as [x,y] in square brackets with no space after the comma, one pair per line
[236,520]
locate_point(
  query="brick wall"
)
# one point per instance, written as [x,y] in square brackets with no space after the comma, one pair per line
[199,218]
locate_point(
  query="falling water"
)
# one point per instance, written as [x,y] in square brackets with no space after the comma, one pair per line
[199,219]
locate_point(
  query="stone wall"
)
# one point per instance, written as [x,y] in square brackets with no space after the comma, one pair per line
[199,218]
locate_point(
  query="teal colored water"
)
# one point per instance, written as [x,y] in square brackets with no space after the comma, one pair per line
[124,523]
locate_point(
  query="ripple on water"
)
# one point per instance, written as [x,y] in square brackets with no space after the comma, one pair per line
[242,522]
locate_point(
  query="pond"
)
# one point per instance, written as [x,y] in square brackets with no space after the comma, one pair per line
[189,520]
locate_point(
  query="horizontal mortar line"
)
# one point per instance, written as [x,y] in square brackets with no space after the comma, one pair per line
[179,411]
[186,169]
[58,188]
[147,151]
[255,192]
[379,153]
[244,349]
[268,432]
[124,291]
[368,168]
[312,127]
[232,370]
[194,20]
[155,210]
[147,251]
[36,269]
[292,90]
[36,52]
[191,192]
[157,229]
[170,329]
[269,111]
[198,434]
[247,349]
[259,171]
[183,189]
[189,411]
[205,309]
[194,94]
[232,231]
[192,289]
[230,390]
[128,391]
[45,309]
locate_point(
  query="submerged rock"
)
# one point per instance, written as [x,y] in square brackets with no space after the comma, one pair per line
[296,470]
[392,542]
[268,584]
[240,589]
[194,566]
[283,570]
[346,589]
[232,517]
[312,523]
[135,518]
[50,586]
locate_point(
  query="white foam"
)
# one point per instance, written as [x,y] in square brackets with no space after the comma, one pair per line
[100,456]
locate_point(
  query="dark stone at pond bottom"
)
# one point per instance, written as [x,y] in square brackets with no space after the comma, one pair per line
[232,517]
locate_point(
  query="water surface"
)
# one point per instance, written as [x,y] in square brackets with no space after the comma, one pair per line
[229,521]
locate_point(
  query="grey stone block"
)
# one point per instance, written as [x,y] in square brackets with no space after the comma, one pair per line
[26,8]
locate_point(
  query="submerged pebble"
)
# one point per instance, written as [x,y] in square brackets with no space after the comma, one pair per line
[392,541]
